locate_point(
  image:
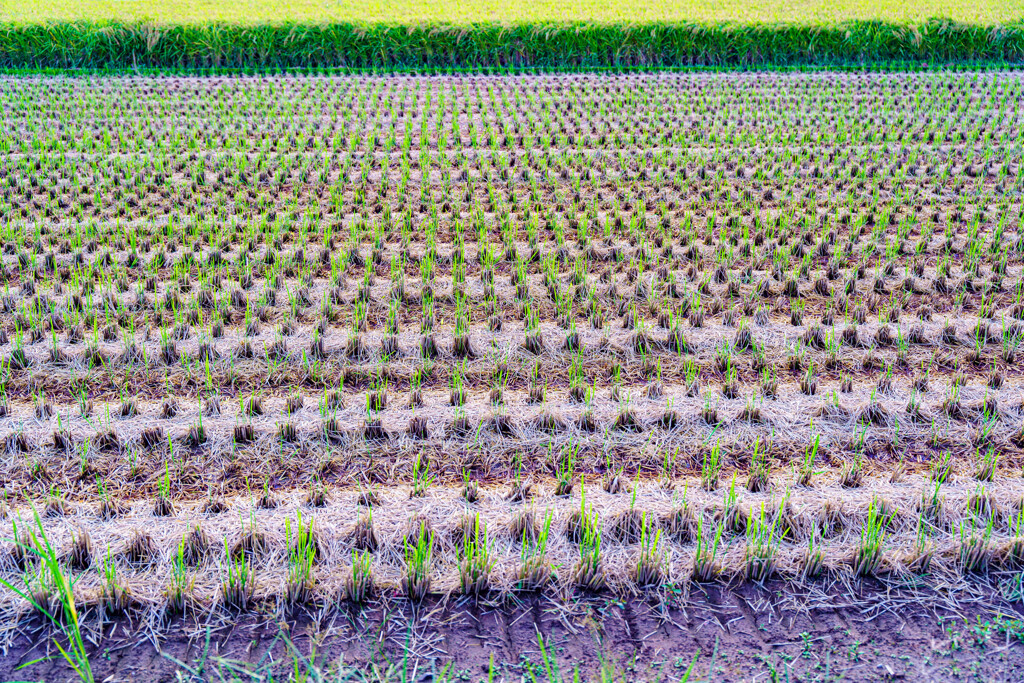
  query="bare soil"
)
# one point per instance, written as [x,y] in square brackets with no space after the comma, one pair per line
[746,633]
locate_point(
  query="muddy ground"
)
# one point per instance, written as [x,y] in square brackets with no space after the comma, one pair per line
[750,633]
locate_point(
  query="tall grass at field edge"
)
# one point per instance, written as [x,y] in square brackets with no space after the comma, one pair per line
[117,44]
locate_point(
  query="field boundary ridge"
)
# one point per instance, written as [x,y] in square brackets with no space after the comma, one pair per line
[118,44]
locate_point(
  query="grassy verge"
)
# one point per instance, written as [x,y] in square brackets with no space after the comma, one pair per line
[486,45]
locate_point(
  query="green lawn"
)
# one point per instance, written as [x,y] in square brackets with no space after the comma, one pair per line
[466,11]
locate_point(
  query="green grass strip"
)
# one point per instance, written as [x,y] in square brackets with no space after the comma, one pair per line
[488,45]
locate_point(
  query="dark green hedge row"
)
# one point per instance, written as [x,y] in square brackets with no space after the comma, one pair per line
[112,44]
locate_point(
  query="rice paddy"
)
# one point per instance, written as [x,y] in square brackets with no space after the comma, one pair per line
[478,11]
[285,347]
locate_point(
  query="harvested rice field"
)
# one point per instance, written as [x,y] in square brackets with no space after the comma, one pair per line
[699,376]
